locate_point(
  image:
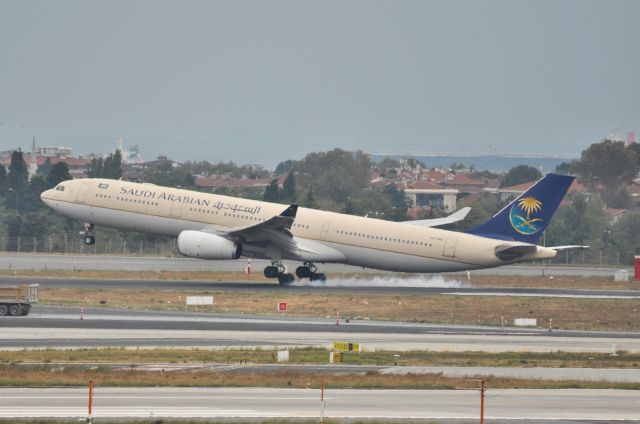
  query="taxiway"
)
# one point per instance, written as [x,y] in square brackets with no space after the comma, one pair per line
[60,327]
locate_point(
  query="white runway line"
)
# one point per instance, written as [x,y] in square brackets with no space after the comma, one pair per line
[573,296]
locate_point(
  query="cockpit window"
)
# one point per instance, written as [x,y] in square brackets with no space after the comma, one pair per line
[60,188]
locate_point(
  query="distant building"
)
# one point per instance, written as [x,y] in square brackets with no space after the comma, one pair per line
[61,152]
[516,190]
[424,194]
[631,137]
[614,215]
[39,155]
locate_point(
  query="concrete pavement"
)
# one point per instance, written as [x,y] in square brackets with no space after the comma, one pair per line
[516,405]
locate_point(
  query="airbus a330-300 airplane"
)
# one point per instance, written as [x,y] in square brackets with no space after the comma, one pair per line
[211,226]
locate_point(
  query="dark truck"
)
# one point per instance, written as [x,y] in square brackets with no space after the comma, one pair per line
[17,300]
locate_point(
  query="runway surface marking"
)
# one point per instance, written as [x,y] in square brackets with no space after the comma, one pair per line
[545,294]
[266,402]
[77,337]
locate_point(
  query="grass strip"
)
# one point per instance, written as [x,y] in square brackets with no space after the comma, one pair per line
[566,313]
[44,377]
[316,356]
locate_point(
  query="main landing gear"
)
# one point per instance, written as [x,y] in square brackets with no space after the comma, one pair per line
[309,270]
[277,270]
[87,234]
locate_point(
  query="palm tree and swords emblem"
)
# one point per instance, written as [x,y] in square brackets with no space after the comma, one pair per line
[521,215]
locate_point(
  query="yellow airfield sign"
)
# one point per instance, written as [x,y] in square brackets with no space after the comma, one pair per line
[346,347]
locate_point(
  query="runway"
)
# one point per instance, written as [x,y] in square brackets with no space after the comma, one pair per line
[429,287]
[60,327]
[36,261]
[517,405]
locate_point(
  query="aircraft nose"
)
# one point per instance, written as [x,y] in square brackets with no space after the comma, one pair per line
[46,195]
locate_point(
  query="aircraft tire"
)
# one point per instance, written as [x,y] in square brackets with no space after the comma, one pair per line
[89,240]
[303,272]
[4,310]
[271,271]
[286,279]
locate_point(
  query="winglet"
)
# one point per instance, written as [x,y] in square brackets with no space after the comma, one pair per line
[291,211]
[436,222]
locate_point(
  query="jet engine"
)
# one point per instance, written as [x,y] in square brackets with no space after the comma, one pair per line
[197,244]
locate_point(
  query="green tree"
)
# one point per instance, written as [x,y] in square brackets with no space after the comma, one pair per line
[520,174]
[95,168]
[310,200]
[388,163]
[272,193]
[580,221]
[113,166]
[110,167]
[414,163]
[565,168]
[18,178]
[387,203]
[3,214]
[335,175]
[289,188]
[398,202]
[57,174]
[608,163]
[617,197]
[481,210]
[226,168]
[485,174]
[45,168]
[624,238]
[285,167]
[164,173]
[3,181]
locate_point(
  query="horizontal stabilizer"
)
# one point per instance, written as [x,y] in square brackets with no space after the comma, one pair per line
[509,252]
[436,222]
[568,247]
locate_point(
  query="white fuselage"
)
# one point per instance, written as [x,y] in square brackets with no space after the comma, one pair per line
[327,236]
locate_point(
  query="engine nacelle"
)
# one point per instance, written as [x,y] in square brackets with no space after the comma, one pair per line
[197,244]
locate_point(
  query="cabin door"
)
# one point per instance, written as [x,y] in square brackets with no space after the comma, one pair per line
[449,248]
[176,209]
[325,231]
[81,196]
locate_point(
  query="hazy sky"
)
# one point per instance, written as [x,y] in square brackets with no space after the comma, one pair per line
[261,81]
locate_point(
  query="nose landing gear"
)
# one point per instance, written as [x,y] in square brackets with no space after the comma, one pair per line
[87,234]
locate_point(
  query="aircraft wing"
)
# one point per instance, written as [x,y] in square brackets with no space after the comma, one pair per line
[436,222]
[275,230]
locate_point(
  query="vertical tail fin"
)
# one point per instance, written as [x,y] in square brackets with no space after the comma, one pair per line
[528,215]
